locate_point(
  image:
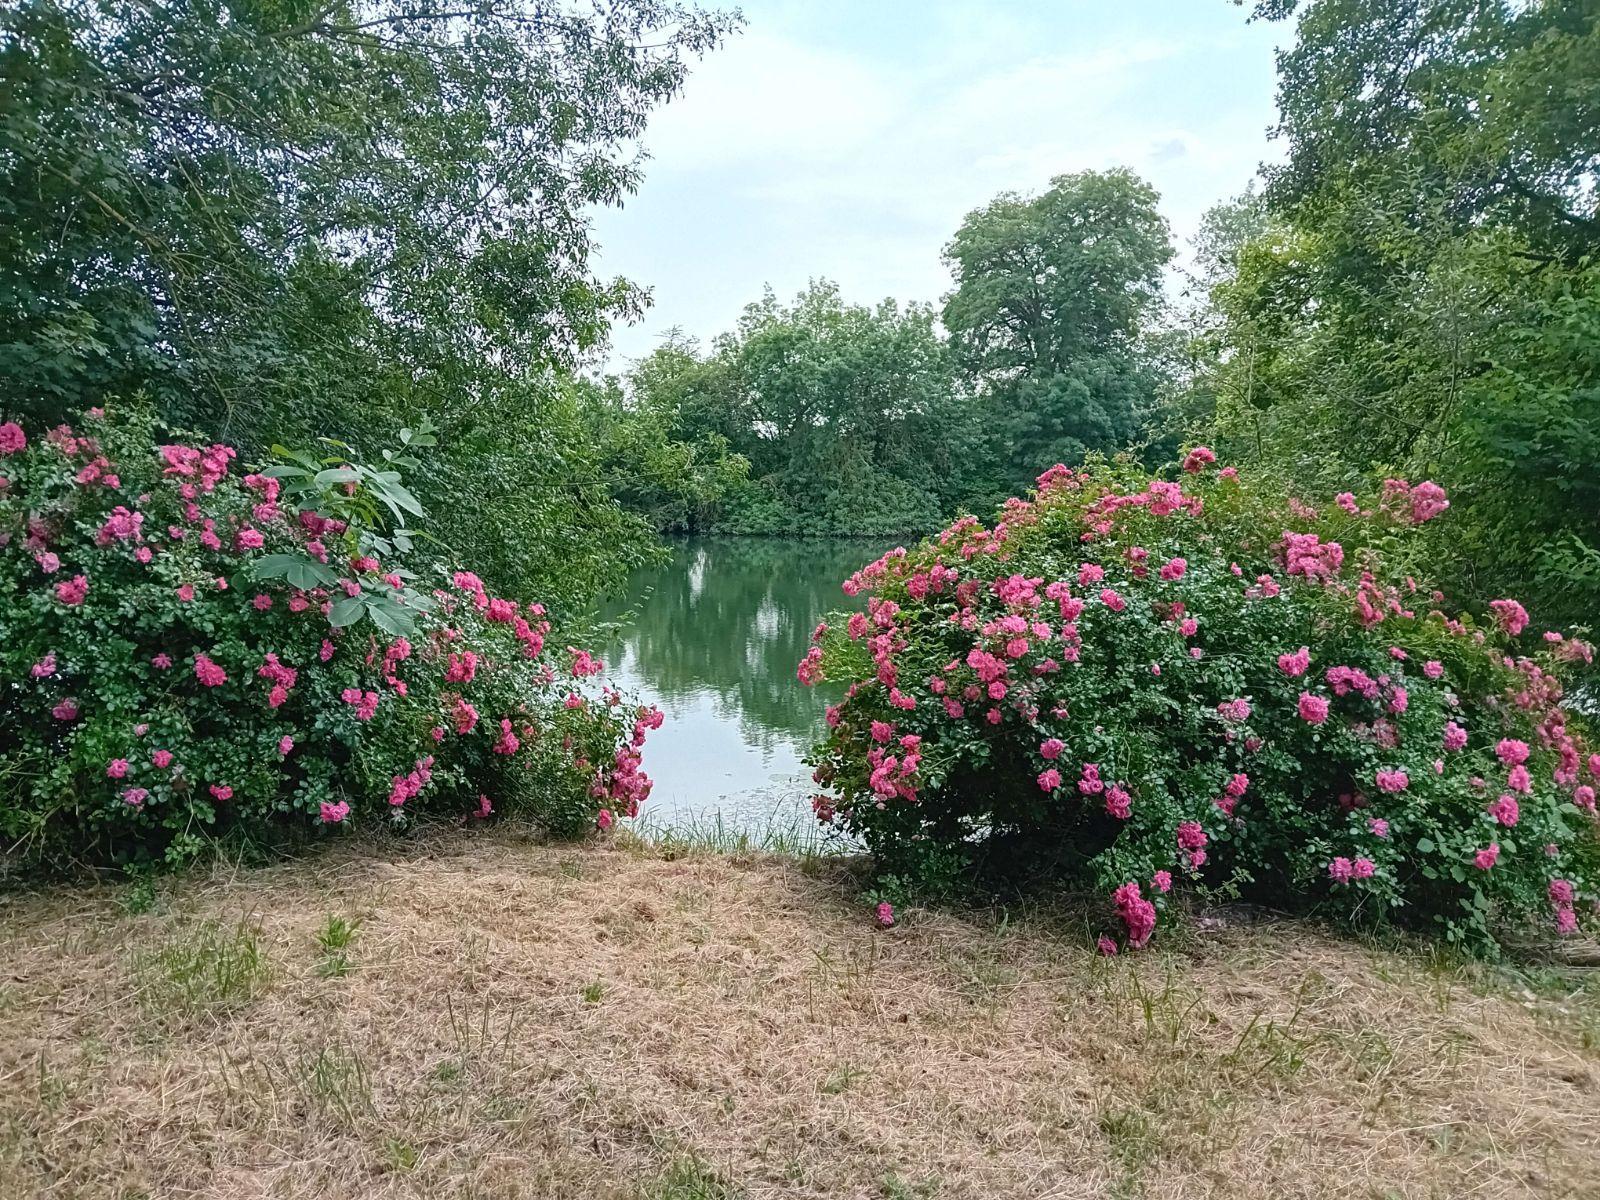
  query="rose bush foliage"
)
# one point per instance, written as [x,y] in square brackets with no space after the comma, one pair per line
[1143,682]
[191,651]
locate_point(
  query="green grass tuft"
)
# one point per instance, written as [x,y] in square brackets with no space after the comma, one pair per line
[689,1177]
[203,968]
[335,939]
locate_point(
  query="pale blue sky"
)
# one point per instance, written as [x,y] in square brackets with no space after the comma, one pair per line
[848,139]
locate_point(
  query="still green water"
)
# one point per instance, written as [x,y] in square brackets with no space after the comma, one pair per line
[713,641]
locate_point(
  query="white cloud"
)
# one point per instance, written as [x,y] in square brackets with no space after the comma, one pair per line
[793,154]
[761,100]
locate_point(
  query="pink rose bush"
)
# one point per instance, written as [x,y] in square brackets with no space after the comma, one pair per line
[216,651]
[1292,713]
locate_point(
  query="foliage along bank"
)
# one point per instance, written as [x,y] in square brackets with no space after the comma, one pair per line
[1149,684]
[192,653]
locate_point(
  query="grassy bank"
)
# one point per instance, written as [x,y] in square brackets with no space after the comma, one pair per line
[477,1016]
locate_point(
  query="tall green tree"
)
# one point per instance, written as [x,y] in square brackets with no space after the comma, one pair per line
[280,218]
[1416,301]
[676,477]
[1052,294]
[1492,105]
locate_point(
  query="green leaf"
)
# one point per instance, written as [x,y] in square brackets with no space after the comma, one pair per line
[285,471]
[337,475]
[347,611]
[299,570]
[405,499]
[391,619]
[274,566]
[305,460]
[308,573]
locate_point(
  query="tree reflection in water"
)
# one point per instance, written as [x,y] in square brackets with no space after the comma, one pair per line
[714,640]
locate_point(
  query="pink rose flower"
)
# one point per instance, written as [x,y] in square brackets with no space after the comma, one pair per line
[1313,708]
[1392,780]
[207,672]
[1505,810]
[72,592]
[1509,615]
[1237,710]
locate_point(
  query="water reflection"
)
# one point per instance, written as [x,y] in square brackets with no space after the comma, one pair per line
[715,639]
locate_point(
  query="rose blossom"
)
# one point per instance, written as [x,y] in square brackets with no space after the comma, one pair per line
[1313,708]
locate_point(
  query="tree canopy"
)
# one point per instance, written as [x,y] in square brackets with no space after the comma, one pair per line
[225,203]
[284,218]
[850,418]
[279,219]
[1051,294]
[1420,297]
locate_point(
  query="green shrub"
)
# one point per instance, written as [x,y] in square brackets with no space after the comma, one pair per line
[754,508]
[1136,681]
[188,653]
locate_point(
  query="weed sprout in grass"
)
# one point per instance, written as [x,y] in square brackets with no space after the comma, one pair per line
[204,967]
[334,939]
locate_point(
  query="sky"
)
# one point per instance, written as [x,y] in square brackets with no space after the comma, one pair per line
[846,139]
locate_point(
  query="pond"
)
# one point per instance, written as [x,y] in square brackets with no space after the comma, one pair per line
[714,641]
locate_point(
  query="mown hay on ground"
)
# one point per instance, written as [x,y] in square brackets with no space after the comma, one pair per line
[516,1020]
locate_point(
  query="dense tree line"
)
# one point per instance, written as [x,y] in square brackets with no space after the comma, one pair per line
[888,420]
[1414,291]
[289,218]
[1417,290]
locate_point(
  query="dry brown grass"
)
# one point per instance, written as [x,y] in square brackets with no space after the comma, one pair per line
[526,1021]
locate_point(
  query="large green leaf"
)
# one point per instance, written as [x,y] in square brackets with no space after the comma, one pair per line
[308,573]
[285,471]
[347,611]
[274,566]
[299,570]
[391,618]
